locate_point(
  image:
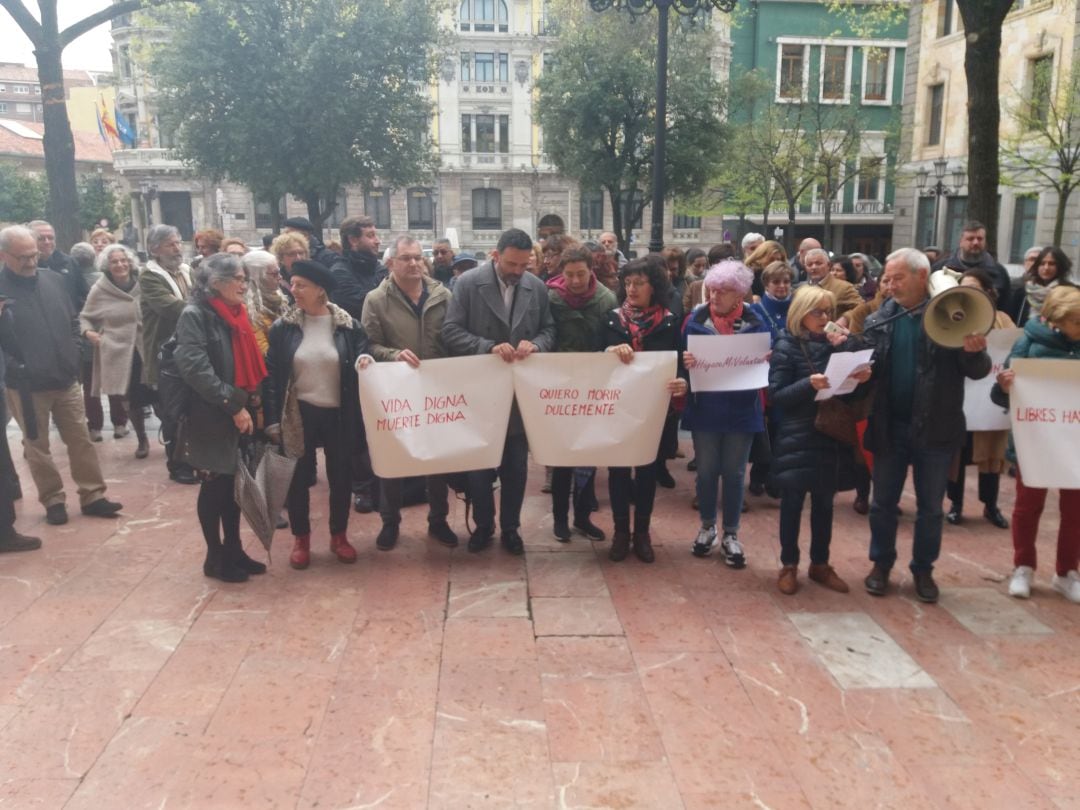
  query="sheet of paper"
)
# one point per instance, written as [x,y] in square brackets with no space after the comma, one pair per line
[729,362]
[841,366]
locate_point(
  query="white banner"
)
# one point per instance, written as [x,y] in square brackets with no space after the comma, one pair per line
[446,416]
[1044,406]
[593,410]
[979,411]
[729,362]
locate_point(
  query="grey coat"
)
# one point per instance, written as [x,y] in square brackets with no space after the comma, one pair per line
[115,315]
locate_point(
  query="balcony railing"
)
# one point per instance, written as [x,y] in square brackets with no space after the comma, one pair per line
[817,208]
[134,160]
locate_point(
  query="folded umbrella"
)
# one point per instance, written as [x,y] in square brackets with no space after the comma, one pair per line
[263,477]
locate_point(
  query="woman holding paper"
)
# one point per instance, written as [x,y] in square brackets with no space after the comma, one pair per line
[641,323]
[722,423]
[806,460]
[1055,334]
[579,305]
[986,448]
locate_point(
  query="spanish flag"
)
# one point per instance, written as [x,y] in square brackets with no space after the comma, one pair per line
[106,120]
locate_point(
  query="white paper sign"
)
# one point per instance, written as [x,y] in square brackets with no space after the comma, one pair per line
[1044,406]
[841,366]
[729,362]
[593,410]
[447,416]
[979,411]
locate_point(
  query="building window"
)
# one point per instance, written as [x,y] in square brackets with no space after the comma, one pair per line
[876,74]
[123,57]
[23,109]
[486,209]
[20,89]
[263,213]
[377,206]
[3,88]
[591,215]
[834,73]
[682,222]
[956,214]
[421,209]
[3,106]
[925,227]
[37,89]
[946,17]
[1023,229]
[485,67]
[484,15]
[632,208]
[1041,74]
[792,68]
[937,106]
[869,178]
[485,133]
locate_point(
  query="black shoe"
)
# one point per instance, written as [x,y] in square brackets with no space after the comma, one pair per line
[925,587]
[620,545]
[102,507]
[480,539]
[877,581]
[183,475]
[19,542]
[561,530]
[589,529]
[993,514]
[143,450]
[56,515]
[215,567]
[643,549]
[756,488]
[387,538]
[245,563]
[363,504]
[954,517]
[512,542]
[664,479]
[772,492]
[442,532]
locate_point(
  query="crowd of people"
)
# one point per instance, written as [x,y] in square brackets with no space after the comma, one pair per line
[266,347]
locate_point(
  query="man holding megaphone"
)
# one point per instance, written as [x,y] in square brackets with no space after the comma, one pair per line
[917,417]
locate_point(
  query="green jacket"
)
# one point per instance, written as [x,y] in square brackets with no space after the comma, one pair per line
[160,307]
[391,322]
[581,330]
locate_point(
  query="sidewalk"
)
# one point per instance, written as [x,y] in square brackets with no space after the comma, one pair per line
[425,678]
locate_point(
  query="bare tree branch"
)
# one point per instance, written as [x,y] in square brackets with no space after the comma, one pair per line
[25,20]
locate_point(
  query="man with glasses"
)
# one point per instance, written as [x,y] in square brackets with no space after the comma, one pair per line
[43,376]
[403,317]
[442,260]
[817,273]
[163,293]
[500,308]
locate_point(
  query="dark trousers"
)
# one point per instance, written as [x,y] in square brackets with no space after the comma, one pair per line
[218,512]
[95,416]
[322,428]
[632,485]
[989,484]
[821,520]
[364,481]
[513,472]
[9,480]
[562,482]
[391,497]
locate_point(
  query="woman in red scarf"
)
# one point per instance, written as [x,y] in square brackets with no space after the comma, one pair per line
[640,324]
[218,358]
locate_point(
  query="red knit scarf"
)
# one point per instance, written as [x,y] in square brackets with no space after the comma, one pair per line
[573,300]
[247,359]
[640,323]
[725,324]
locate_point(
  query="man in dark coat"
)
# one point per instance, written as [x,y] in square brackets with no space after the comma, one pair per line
[972,253]
[10,539]
[500,308]
[60,263]
[357,272]
[916,420]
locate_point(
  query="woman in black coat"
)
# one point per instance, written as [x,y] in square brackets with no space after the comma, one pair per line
[806,460]
[217,357]
[313,401]
[642,323]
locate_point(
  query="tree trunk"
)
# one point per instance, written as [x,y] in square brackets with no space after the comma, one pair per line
[829,192]
[59,146]
[789,229]
[1064,192]
[615,195]
[982,65]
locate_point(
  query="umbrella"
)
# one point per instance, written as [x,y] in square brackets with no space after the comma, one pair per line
[263,477]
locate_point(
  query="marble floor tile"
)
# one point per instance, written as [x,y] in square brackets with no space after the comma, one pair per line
[575,616]
[565,574]
[468,639]
[988,612]
[859,653]
[25,668]
[501,599]
[645,784]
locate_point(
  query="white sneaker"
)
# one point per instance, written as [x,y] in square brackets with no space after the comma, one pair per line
[1068,586]
[732,551]
[705,542]
[1020,582]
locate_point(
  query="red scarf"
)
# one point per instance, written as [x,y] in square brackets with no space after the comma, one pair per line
[247,359]
[725,324]
[573,300]
[640,323]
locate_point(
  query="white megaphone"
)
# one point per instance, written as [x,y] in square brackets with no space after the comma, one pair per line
[954,312]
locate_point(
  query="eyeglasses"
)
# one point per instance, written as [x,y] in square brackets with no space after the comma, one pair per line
[633,283]
[240,279]
[411,258]
[819,313]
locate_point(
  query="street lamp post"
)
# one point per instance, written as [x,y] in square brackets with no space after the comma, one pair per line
[939,189]
[688,8]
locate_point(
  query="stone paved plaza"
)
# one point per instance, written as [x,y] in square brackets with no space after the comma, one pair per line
[423,678]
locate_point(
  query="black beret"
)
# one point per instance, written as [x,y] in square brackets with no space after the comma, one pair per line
[300,223]
[314,272]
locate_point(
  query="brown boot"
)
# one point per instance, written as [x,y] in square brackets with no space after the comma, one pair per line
[620,540]
[824,574]
[788,583]
[301,552]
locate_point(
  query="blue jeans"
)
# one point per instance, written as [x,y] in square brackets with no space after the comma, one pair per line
[513,471]
[930,473]
[721,456]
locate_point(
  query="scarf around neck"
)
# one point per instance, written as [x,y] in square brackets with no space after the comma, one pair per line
[573,300]
[725,324]
[1036,293]
[250,370]
[640,323]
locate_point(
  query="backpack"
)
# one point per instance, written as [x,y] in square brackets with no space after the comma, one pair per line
[174,395]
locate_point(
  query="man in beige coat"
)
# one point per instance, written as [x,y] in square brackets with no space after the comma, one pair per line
[403,319]
[817,264]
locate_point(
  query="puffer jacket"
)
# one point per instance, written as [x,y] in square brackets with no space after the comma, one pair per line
[356,274]
[580,330]
[722,411]
[1040,342]
[280,407]
[391,323]
[803,457]
[937,411]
